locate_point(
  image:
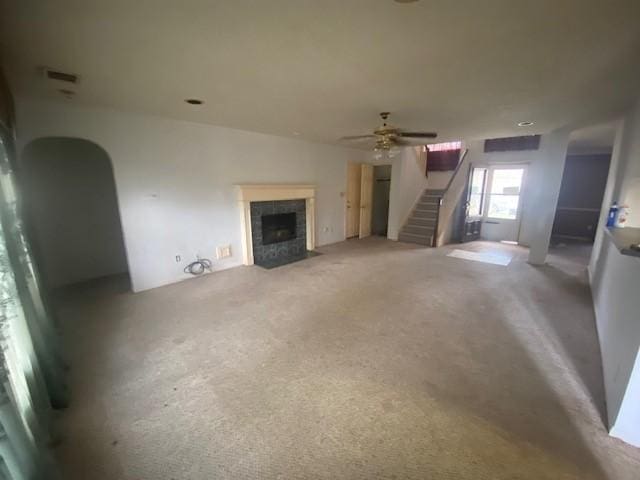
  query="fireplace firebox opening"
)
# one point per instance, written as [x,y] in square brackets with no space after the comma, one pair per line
[278,227]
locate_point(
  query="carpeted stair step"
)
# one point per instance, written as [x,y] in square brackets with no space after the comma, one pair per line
[427,205]
[420,213]
[421,225]
[423,230]
[424,222]
[413,238]
[430,198]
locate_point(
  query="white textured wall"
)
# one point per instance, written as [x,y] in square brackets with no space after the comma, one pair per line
[175,180]
[628,428]
[614,283]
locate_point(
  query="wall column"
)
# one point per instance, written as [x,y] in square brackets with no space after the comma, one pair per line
[544,190]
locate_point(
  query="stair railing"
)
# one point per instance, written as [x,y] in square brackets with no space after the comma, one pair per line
[444,201]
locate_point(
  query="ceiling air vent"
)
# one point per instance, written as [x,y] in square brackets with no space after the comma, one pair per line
[61,76]
[512,144]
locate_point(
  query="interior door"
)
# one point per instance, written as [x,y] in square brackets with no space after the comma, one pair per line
[502,209]
[366,197]
[353,199]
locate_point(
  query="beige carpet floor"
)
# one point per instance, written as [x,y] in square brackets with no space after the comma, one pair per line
[375,360]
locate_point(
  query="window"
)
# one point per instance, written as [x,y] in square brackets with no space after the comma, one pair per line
[504,196]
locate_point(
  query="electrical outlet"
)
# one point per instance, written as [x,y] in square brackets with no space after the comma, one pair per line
[178,258]
[223,251]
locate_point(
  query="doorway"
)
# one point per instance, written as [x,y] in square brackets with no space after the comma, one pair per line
[580,199]
[380,204]
[494,204]
[582,190]
[72,209]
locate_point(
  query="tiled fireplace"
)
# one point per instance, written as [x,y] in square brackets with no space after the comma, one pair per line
[277,223]
[278,231]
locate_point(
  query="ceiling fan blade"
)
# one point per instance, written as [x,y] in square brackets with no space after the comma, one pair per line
[408,142]
[418,134]
[358,137]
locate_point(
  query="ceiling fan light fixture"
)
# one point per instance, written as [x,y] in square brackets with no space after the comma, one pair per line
[386,152]
[394,152]
[390,139]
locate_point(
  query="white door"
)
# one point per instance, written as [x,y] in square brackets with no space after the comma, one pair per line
[502,209]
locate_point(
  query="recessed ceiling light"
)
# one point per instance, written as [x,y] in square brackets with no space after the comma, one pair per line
[525,124]
[194,101]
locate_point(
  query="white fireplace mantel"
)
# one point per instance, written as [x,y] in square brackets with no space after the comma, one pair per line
[248,193]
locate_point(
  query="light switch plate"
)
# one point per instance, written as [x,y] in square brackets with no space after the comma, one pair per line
[223,251]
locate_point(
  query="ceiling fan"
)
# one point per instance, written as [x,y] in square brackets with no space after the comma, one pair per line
[388,136]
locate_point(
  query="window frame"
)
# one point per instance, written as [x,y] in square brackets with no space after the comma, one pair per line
[489,186]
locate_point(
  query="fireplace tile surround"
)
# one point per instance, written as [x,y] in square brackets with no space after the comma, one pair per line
[285,251]
[264,194]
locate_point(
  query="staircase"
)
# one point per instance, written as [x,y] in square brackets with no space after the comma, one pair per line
[433,207]
[423,221]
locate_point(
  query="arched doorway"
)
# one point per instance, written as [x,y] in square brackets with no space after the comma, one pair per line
[72,210]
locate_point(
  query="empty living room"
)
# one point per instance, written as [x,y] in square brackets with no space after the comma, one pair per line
[320,239]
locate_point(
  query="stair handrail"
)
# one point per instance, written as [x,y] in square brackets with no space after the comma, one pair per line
[434,241]
[455,172]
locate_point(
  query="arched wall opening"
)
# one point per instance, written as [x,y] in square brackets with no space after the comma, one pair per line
[71,206]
